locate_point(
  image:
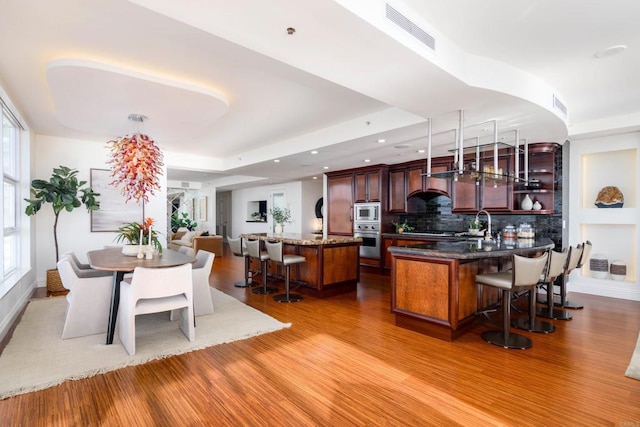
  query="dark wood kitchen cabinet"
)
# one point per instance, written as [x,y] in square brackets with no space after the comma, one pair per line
[418,182]
[367,185]
[398,190]
[340,204]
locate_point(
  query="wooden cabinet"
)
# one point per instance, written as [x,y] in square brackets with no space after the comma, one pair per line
[340,204]
[465,197]
[367,186]
[418,182]
[542,169]
[495,192]
[397,191]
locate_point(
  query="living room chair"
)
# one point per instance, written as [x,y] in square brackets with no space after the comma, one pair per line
[88,300]
[153,290]
[524,275]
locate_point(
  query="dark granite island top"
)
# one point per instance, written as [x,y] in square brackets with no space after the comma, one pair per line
[332,264]
[433,289]
[469,248]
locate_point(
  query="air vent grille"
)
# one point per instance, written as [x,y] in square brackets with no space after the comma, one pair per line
[411,28]
[185,184]
[559,106]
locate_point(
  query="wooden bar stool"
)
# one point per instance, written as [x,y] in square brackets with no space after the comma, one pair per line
[253,248]
[525,273]
[236,249]
[276,255]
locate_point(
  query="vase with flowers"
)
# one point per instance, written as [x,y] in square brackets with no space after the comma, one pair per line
[139,237]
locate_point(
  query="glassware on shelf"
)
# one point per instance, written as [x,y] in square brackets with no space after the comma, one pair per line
[526,231]
[509,233]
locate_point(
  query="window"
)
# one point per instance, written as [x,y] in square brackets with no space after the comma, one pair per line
[10,191]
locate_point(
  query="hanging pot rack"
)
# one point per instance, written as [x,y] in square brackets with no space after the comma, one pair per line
[460,149]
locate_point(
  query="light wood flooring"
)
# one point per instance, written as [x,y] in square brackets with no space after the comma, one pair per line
[344,362]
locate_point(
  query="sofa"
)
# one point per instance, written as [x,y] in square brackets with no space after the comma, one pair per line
[197,241]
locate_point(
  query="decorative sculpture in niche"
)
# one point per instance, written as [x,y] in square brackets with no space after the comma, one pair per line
[610,197]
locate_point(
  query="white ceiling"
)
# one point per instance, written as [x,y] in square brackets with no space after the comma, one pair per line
[227,90]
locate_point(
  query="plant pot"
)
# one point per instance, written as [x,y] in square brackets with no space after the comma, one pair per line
[54,283]
[278,229]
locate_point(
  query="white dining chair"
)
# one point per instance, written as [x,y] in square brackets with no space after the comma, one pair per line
[153,290]
[88,300]
[201,270]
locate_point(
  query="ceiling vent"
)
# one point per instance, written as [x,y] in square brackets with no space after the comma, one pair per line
[185,184]
[559,106]
[411,28]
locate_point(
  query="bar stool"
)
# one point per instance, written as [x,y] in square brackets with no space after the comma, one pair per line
[525,273]
[573,258]
[275,253]
[253,249]
[236,249]
[555,266]
[584,257]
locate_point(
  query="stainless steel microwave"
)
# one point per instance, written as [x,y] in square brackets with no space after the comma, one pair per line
[367,211]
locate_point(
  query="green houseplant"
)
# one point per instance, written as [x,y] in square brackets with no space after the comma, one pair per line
[181,219]
[403,226]
[280,217]
[130,234]
[64,192]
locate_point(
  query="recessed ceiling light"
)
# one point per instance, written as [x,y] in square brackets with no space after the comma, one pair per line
[325,167]
[277,161]
[315,177]
[314,152]
[367,160]
[380,141]
[421,151]
[610,51]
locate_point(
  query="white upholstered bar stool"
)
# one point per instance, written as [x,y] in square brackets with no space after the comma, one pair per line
[253,248]
[555,267]
[573,258]
[525,273]
[276,255]
[236,249]
[584,257]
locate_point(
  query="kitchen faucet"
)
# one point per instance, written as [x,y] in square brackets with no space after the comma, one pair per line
[488,222]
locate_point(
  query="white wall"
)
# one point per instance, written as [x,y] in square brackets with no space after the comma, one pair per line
[311,192]
[596,162]
[74,228]
[299,197]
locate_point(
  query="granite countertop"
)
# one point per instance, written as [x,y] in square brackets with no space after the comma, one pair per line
[468,248]
[302,239]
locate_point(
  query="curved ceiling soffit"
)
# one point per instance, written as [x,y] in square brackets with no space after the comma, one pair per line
[97,97]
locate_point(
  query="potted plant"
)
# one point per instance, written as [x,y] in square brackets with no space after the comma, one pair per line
[181,219]
[280,216]
[131,233]
[401,227]
[65,193]
[475,225]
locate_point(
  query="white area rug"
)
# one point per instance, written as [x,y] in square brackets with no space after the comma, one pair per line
[36,357]
[633,371]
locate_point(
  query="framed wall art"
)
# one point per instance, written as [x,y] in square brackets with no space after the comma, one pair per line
[113,212]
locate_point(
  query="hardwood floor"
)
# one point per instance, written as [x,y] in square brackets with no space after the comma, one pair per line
[344,362]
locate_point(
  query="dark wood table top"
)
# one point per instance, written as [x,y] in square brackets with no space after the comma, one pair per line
[112,259]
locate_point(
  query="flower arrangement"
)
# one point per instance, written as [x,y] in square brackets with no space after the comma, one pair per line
[134,231]
[136,162]
[281,215]
[401,227]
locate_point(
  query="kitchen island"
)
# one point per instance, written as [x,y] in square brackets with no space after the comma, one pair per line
[433,289]
[332,264]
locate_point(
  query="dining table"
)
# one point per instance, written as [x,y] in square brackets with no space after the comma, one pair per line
[112,259]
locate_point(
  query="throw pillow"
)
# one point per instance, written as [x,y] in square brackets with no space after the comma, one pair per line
[206,233]
[188,236]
